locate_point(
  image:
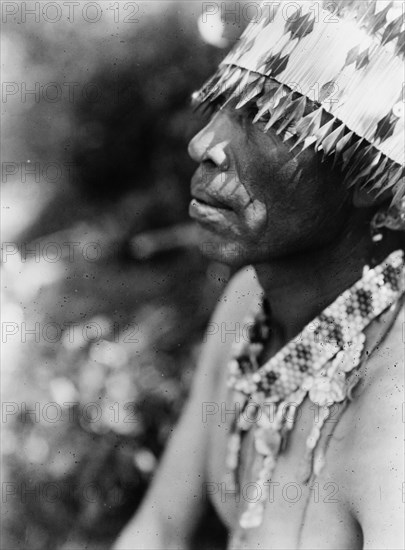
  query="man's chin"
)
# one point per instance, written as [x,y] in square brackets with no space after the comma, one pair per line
[219,248]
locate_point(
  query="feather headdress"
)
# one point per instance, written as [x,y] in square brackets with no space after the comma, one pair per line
[334,69]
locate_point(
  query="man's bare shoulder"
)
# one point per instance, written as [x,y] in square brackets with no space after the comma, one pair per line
[242,293]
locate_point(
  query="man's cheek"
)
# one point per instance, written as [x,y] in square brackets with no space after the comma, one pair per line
[237,194]
[255,217]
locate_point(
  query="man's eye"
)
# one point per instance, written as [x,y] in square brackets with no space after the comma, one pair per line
[287,132]
[213,107]
[251,110]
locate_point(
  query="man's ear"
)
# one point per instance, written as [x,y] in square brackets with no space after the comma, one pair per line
[364,198]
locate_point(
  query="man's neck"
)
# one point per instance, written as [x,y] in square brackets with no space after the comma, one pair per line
[300,287]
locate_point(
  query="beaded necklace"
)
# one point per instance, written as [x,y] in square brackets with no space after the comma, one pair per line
[315,363]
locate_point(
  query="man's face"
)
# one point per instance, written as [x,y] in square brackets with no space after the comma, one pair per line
[256,201]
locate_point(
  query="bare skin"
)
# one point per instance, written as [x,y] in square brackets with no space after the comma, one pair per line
[307,241]
[332,511]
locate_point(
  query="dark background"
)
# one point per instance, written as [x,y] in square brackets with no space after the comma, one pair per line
[101,264]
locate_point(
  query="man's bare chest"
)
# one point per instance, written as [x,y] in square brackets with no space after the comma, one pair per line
[298,514]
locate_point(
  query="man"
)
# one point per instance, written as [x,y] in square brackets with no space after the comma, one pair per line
[294,429]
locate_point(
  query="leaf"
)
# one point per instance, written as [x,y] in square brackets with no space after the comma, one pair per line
[293,112]
[251,92]
[352,55]
[363,60]
[326,90]
[276,64]
[377,179]
[350,152]
[278,112]
[324,131]
[392,179]
[360,161]
[385,127]
[340,146]
[301,26]
[400,47]
[379,19]
[399,192]
[392,30]
[310,124]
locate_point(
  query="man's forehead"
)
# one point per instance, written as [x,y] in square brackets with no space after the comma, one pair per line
[253,110]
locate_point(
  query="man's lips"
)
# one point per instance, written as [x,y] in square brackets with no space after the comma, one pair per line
[210,214]
[208,200]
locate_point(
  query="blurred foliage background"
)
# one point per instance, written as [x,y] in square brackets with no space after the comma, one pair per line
[105,292]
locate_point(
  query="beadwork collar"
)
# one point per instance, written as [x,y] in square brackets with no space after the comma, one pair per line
[316,363]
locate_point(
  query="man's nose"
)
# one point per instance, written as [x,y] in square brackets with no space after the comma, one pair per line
[205,146]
